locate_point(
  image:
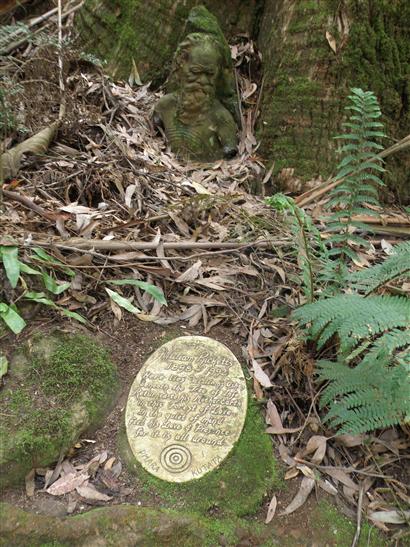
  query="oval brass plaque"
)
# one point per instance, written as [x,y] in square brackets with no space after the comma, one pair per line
[186,408]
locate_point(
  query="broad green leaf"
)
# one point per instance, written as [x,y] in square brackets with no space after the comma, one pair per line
[4,365]
[51,284]
[24,268]
[11,264]
[123,302]
[54,261]
[12,318]
[39,297]
[74,315]
[148,287]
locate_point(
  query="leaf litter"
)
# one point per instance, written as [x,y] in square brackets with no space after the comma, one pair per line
[192,243]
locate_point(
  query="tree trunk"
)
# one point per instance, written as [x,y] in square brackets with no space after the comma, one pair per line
[313,52]
[125,31]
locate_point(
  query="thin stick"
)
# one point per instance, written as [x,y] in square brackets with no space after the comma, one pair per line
[27,203]
[22,41]
[359,517]
[121,245]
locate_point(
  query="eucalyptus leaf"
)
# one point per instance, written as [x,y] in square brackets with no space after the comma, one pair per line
[148,287]
[39,297]
[24,268]
[12,318]
[123,302]
[11,264]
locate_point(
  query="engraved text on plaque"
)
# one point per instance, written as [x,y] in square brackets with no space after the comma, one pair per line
[186,408]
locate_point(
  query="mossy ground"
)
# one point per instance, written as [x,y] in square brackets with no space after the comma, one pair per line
[333,528]
[58,386]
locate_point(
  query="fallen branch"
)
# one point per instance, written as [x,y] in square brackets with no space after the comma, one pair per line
[28,203]
[315,193]
[120,245]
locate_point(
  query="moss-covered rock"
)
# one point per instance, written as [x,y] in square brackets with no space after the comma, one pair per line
[306,82]
[237,487]
[125,526]
[58,386]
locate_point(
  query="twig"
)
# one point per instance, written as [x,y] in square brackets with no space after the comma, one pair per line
[61,113]
[28,204]
[359,516]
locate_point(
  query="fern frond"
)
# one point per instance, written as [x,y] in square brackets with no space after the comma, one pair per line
[395,266]
[374,394]
[353,317]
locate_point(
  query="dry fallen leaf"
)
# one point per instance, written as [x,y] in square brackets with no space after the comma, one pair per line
[260,375]
[271,510]
[305,489]
[331,41]
[390,517]
[89,492]
[67,484]
[30,485]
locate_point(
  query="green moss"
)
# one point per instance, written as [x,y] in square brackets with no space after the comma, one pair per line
[58,386]
[237,487]
[333,528]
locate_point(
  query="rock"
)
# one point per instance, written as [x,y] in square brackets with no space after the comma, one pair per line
[59,385]
[124,526]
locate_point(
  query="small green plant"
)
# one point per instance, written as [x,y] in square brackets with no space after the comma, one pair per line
[369,383]
[16,271]
[358,176]
[308,246]
[369,379]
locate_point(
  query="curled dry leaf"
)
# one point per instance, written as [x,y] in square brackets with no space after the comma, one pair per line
[260,375]
[305,489]
[271,510]
[316,444]
[67,484]
[291,473]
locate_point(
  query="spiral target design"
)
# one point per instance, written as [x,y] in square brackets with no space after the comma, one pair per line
[176,458]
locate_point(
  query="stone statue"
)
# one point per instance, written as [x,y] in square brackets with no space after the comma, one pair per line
[197,125]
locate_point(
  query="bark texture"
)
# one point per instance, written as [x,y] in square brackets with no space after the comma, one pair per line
[313,52]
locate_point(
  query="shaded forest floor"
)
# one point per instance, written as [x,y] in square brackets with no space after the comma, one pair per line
[109,201]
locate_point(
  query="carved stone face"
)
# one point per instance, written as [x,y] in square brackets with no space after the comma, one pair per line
[198,76]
